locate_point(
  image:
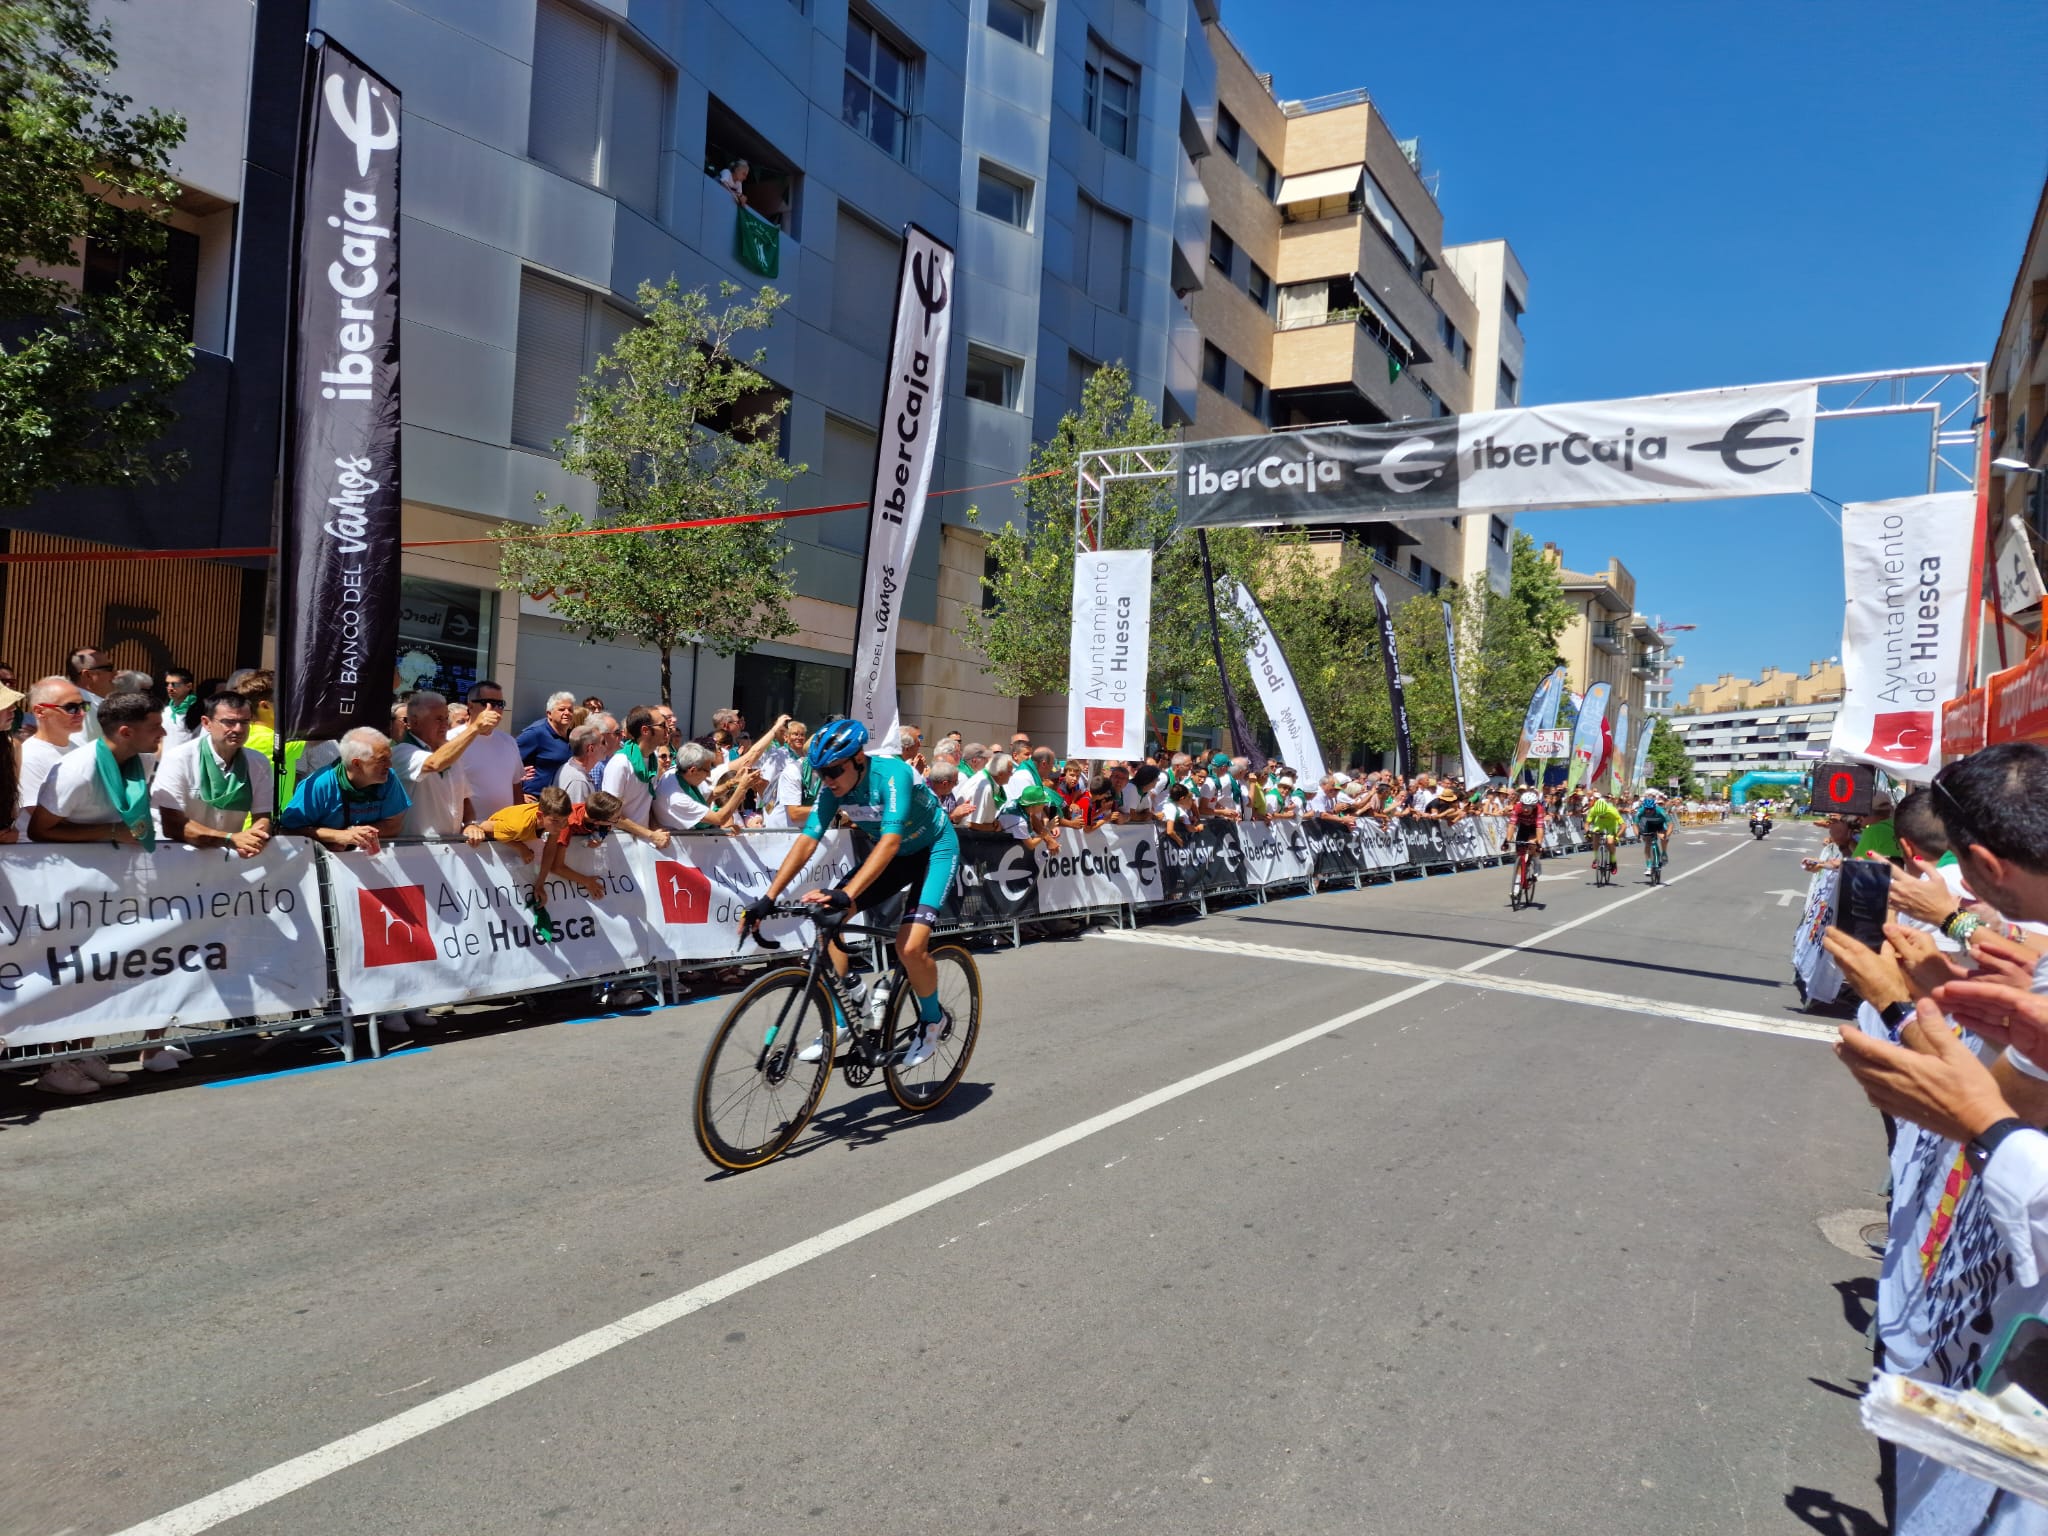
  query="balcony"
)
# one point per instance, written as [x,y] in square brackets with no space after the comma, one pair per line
[1609,636]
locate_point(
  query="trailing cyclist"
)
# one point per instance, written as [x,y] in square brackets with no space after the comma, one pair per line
[915,848]
[1528,831]
[1653,820]
[1603,820]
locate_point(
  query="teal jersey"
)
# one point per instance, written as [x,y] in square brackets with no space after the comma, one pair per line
[1652,817]
[887,797]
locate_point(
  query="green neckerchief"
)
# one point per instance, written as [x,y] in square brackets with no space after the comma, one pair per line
[350,795]
[186,713]
[634,759]
[127,787]
[691,790]
[418,743]
[223,788]
[807,781]
[1947,860]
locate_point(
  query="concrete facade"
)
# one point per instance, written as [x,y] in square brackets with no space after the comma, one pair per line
[1607,640]
[1822,683]
[2016,390]
[1731,742]
[1326,293]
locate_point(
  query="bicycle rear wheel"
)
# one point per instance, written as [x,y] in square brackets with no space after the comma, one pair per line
[925,1085]
[753,1096]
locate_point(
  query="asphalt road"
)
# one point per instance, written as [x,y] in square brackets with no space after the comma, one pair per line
[1517,1239]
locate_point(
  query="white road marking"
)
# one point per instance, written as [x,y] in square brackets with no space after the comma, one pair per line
[1724,1018]
[287,1477]
[1787,898]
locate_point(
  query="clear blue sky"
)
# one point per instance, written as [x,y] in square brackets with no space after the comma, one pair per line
[1715,194]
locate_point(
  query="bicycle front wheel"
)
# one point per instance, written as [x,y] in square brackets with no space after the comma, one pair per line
[754,1093]
[925,1085]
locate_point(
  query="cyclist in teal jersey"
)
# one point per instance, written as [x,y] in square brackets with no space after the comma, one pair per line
[914,848]
[1653,820]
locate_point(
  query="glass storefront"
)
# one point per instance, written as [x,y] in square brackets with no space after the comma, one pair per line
[445,634]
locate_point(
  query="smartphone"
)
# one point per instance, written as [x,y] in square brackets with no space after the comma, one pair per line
[1862,895]
[2020,1360]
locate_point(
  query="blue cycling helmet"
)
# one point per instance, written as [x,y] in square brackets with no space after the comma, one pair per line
[837,742]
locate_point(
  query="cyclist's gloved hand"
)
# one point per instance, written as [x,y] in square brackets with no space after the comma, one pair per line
[838,900]
[760,909]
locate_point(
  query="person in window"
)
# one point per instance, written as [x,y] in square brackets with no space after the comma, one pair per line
[734,179]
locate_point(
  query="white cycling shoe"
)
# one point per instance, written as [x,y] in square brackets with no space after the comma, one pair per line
[925,1043]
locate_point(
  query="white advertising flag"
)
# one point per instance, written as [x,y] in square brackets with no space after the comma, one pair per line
[1108,650]
[903,472]
[2019,578]
[1906,569]
[1285,712]
[98,939]
[1475,771]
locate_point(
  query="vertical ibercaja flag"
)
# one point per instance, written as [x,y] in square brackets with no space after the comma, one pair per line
[911,394]
[338,534]
[1397,700]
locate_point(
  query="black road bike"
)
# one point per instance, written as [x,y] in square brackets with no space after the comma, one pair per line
[756,1091]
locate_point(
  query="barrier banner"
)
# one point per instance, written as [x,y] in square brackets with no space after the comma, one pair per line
[1275,853]
[97,939]
[912,392]
[1908,568]
[1428,840]
[338,536]
[1819,978]
[997,883]
[1109,643]
[1756,440]
[1202,863]
[424,923]
[1466,840]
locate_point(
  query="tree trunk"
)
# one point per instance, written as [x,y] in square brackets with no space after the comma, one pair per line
[664,678]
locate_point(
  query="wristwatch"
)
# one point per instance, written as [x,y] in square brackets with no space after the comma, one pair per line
[1978,1148]
[1896,1015]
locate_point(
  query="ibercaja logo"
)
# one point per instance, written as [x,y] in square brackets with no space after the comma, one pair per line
[1902,736]
[394,925]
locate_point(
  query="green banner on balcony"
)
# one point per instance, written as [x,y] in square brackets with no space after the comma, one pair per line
[758,244]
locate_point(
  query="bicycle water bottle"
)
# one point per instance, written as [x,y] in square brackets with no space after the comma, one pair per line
[878,1004]
[847,990]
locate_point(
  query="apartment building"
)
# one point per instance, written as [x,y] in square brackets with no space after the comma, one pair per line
[1330,296]
[1728,743]
[558,152]
[1607,640]
[2016,387]
[1821,683]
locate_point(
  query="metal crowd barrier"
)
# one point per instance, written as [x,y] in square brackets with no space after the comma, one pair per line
[428,921]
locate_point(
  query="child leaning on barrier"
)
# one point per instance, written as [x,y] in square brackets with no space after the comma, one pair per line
[553,819]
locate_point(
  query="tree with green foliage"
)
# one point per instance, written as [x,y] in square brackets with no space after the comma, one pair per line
[1668,761]
[675,426]
[85,379]
[1326,623]
[1024,626]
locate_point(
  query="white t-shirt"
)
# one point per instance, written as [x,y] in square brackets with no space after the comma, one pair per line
[176,733]
[177,787]
[72,791]
[573,781]
[1321,804]
[636,801]
[785,793]
[492,768]
[675,807]
[38,757]
[982,807]
[1130,799]
[436,809]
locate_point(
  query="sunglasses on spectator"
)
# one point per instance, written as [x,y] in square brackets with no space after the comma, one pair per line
[73,707]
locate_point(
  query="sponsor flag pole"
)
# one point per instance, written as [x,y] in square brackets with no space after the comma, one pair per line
[1397,701]
[339,524]
[912,391]
[1240,728]
[1475,771]
[1278,691]
[1540,716]
[1619,757]
[1587,735]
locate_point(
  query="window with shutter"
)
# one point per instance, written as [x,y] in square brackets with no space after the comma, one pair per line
[864,270]
[568,86]
[639,101]
[848,473]
[553,322]
[1103,251]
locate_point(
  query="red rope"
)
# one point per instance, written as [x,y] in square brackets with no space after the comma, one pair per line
[571,533]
